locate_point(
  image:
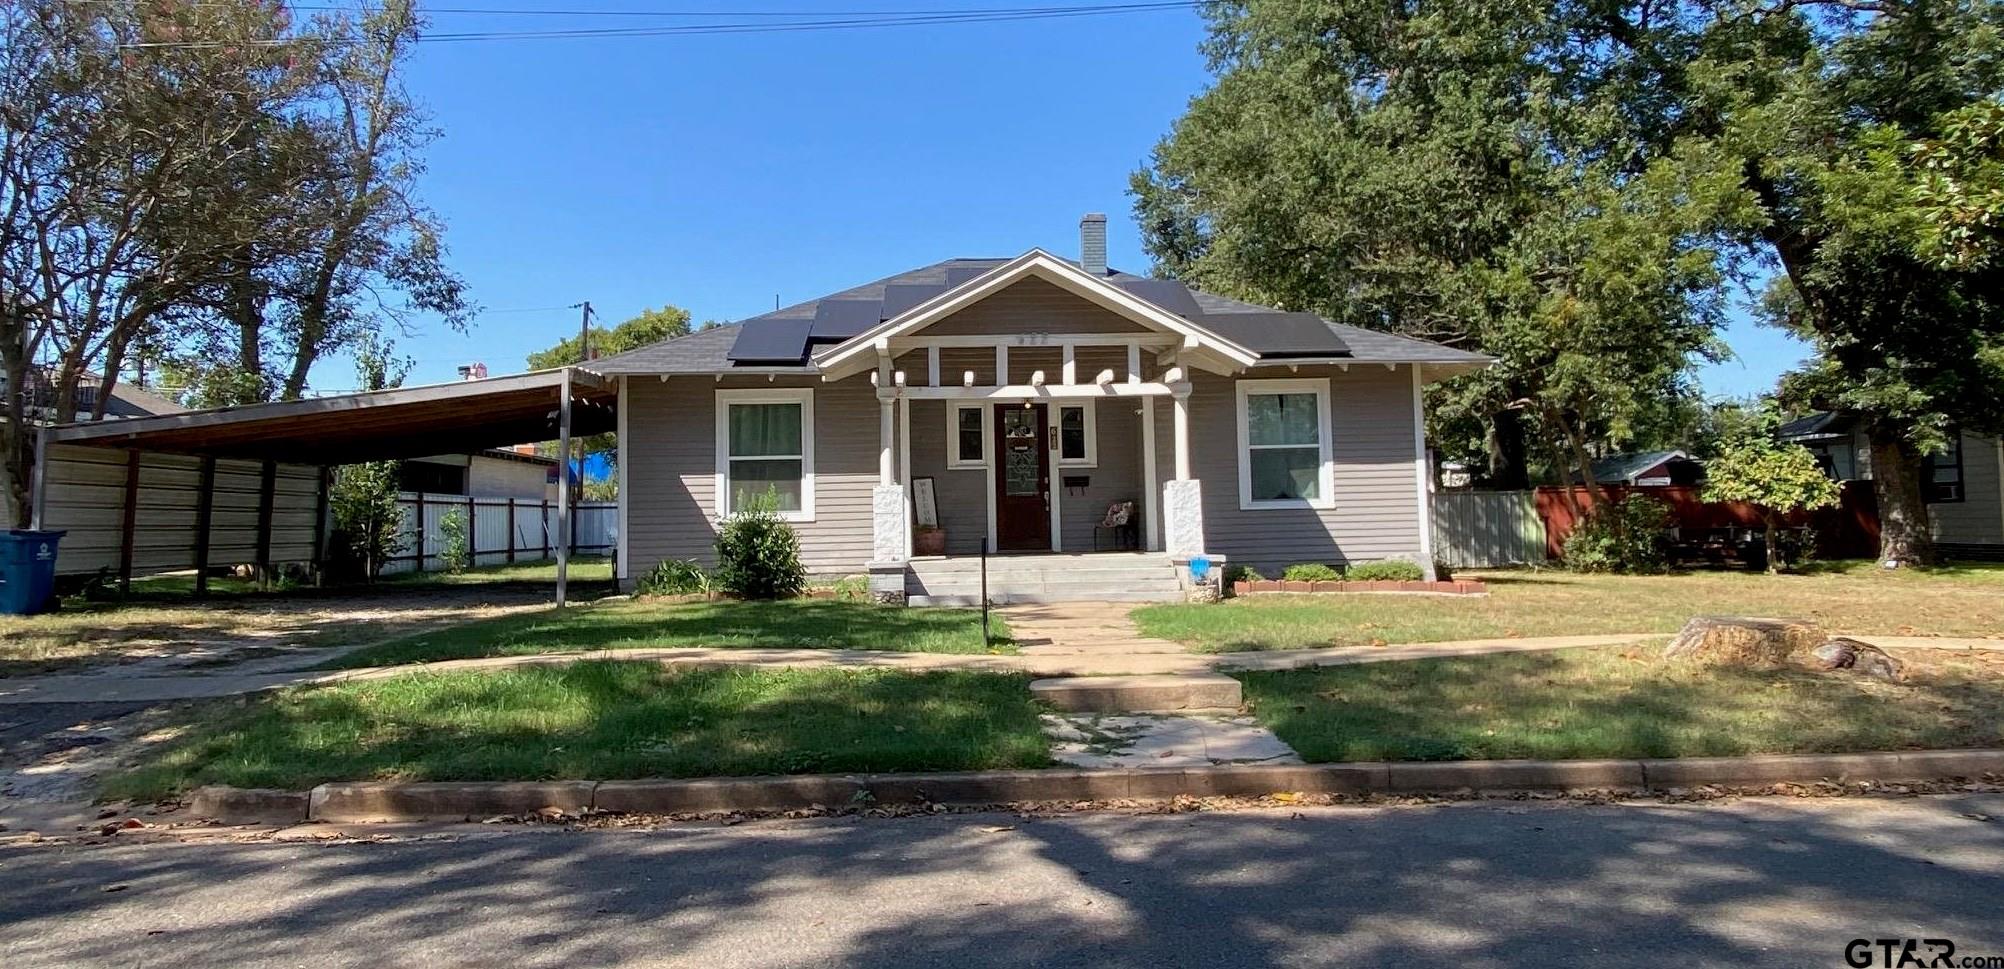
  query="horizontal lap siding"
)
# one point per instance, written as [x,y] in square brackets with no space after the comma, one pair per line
[1376,514]
[960,493]
[1033,306]
[1978,519]
[1117,477]
[671,447]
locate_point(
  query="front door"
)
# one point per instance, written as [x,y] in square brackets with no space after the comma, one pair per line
[1022,479]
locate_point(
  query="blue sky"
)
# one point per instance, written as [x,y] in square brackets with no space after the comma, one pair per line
[713,172]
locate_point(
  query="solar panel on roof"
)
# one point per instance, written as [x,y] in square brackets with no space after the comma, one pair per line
[1165,293]
[1278,334]
[840,319]
[956,275]
[900,297]
[771,341]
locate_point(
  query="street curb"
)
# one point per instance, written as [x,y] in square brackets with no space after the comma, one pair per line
[474,801]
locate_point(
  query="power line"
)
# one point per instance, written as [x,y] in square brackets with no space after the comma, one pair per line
[860,22]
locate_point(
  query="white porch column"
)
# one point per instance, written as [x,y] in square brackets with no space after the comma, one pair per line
[1182,430]
[889,536]
[1183,497]
[887,473]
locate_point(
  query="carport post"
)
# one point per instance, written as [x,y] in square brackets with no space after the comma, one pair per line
[563,485]
[205,504]
[127,527]
[267,487]
[320,512]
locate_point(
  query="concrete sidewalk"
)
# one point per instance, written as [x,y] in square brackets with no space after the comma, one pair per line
[100,688]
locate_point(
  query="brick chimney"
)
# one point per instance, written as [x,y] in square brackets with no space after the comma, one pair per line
[1092,243]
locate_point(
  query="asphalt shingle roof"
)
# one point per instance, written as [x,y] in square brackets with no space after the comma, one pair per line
[708,351]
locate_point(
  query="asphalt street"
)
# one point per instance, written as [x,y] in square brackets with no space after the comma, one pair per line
[1773,881]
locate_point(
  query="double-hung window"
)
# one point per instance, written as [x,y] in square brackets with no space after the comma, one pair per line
[1077,435]
[1941,472]
[966,434]
[1284,444]
[765,445]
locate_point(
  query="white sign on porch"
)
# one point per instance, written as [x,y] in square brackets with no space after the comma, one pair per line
[925,507]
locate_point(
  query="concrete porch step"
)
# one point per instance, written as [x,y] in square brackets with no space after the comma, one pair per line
[1138,694]
[1163,574]
[1059,562]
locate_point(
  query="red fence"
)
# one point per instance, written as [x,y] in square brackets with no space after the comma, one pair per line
[1850,530]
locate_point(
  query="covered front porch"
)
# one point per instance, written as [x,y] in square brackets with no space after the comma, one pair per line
[1044,454]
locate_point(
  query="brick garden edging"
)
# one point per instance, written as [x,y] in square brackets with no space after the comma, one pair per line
[474,801]
[1455,587]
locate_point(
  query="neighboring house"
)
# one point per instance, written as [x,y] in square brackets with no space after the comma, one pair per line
[1964,484]
[494,473]
[1648,468]
[1011,402]
[126,401]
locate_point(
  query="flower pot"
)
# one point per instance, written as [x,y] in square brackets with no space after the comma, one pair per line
[929,541]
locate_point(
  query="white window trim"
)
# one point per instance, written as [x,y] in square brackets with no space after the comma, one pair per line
[1091,459]
[953,409]
[804,396]
[1326,476]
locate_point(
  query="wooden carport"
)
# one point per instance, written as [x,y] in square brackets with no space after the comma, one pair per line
[324,432]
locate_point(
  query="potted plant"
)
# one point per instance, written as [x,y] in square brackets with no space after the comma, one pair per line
[929,540]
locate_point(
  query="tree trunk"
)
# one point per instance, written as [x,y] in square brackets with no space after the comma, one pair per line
[1770,519]
[1509,459]
[1904,536]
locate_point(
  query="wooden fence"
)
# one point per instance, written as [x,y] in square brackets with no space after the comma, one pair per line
[1850,530]
[501,530]
[1487,529]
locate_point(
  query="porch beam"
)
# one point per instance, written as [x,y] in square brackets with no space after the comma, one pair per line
[1038,392]
[976,341]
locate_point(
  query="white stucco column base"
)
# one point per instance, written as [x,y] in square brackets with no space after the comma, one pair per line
[887,521]
[1183,518]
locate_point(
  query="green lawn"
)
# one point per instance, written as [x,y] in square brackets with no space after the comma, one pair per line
[640,624]
[601,720]
[1622,702]
[1846,597]
[163,616]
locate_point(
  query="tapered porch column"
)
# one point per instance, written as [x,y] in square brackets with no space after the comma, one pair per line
[888,531]
[1182,496]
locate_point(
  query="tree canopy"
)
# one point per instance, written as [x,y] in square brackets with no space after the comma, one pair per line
[1579,189]
[650,326]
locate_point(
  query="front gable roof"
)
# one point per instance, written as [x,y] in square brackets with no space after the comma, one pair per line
[1276,338]
[859,352]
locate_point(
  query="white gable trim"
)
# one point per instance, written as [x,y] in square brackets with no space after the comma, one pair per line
[857,354]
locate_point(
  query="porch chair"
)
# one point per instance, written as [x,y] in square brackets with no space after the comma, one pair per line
[1119,525]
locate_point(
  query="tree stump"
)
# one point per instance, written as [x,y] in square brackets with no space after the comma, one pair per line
[1756,643]
[1863,659]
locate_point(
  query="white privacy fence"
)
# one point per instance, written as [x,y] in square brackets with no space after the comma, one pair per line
[500,530]
[1487,529]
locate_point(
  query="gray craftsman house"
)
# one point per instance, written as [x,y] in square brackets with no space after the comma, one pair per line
[1094,430]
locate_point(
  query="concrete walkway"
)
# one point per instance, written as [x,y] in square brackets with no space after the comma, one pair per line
[1056,640]
[78,689]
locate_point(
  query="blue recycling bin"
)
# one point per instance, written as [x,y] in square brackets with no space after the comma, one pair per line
[27,571]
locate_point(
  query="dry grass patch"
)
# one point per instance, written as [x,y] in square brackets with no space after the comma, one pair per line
[1625,702]
[1841,598]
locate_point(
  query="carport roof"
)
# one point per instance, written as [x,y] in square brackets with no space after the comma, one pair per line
[404,422]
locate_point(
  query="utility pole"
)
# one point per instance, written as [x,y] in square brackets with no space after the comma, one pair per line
[584,332]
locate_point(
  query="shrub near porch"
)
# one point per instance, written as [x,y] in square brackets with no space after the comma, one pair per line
[1852,597]
[645,624]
